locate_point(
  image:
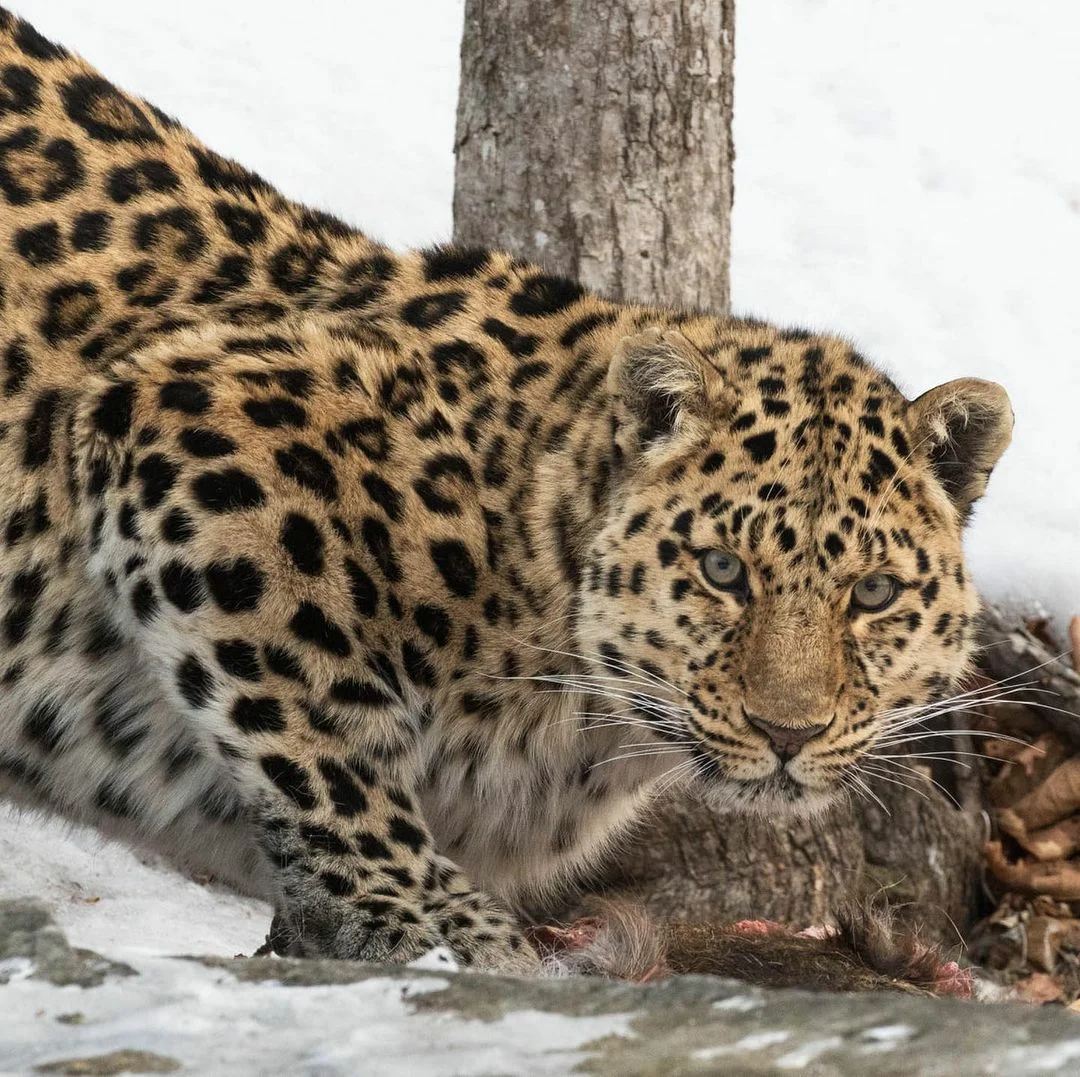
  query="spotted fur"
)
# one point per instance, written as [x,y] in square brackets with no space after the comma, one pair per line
[365,579]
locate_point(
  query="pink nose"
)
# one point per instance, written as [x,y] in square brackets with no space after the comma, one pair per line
[786,740]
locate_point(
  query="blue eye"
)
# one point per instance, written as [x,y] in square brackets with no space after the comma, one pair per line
[723,570]
[874,593]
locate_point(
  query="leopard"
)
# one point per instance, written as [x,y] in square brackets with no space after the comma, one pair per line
[393,587]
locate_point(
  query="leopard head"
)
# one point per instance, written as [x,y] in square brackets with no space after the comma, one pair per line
[780,579]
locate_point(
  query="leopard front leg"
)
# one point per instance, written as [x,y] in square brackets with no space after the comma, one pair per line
[327,776]
[351,862]
[244,588]
[358,874]
[327,780]
[392,911]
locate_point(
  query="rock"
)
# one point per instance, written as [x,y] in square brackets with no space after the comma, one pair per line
[113,1063]
[328,1018]
[27,932]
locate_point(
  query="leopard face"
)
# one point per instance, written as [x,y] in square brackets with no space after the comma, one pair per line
[780,580]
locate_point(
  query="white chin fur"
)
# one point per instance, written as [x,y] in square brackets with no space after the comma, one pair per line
[766,803]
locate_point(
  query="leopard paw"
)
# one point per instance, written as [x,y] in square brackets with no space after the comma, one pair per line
[481,935]
[367,928]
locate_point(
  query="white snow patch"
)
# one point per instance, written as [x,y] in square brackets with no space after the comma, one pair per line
[437,959]
[107,898]
[1039,1058]
[754,1041]
[15,968]
[738,1004]
[808,1052]
[212,1023]
[888,1036]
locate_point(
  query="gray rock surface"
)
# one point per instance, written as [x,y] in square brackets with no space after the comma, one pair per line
[27,932]
[64,1011]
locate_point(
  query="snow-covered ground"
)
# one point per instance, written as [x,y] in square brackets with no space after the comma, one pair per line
[907,174]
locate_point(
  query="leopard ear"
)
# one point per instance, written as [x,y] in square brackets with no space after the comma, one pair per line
[965,426]
[662,387]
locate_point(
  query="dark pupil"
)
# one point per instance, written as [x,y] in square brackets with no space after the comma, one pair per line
[873,586]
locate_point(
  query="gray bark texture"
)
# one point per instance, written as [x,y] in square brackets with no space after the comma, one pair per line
[594,136]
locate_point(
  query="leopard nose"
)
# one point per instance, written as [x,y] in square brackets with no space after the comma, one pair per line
[786,740]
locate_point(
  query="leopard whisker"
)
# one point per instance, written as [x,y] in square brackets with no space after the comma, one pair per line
[911,733]
[657,751]
[954,757]
[641,700]
[933,734]
[583,682]
[988,689]
[879,776]
[940,711]
[671,777]
[861,783]
[637,671]
[599,720]
[850,787]
[960,701]
[914,770]
[666,744]
[577,680]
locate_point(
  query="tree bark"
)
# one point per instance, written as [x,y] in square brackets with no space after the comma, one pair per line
[594,136]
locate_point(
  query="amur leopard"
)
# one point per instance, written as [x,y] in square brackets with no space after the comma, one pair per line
[390,587]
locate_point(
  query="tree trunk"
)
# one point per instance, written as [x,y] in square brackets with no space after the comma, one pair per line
[594,136]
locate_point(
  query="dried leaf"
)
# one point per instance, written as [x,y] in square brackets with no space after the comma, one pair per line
[1043,905]
[1059,879]
[1056,797]
[1027,766]
[1044,936]
[1053,842]
[1038,988]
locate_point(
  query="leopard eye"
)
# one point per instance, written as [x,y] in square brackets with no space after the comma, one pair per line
[874,593]
[723,570]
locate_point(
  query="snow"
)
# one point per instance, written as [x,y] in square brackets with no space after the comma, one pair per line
[753,1042]
[109,899]
[112,901]
[211,1023]
[907,174]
